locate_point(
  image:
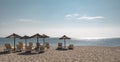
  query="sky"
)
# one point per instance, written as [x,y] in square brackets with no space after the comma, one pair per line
[74,18]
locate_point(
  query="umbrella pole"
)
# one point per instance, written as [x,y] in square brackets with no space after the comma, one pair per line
[14,44]
[25,42]
[37,41]
[64,43]
[43,41]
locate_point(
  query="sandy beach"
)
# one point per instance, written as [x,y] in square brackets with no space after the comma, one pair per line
[79,54]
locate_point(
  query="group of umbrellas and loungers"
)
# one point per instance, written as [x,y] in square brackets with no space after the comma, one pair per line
[37,36]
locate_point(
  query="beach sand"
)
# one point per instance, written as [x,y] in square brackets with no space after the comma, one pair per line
[79,54]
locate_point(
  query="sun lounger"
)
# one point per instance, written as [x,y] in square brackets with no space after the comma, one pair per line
[71,46]
[28,49]
[47,45]
[31,44]
[19,48]
[37,48]
[59,46]
[8,48]
[42,49]
[37,44]
[21,45]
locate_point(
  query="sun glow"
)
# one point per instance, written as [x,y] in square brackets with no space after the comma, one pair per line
[93,37]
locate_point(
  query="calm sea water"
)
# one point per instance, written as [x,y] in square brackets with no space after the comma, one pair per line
[81,42]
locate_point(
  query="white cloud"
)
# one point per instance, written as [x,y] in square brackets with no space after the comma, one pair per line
[90,17]
[71,15]
[68,15]
[83,17]
[75,15]
[26,20]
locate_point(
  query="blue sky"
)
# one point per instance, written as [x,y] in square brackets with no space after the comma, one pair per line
[75,18]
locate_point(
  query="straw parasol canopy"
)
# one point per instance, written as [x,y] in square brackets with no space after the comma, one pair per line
[64,37]
[37,36]
[25,37]
[13,36]
[44,36]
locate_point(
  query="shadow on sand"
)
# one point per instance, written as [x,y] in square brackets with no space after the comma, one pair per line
[26,53]
[2,53]
[62,49]
[29,53]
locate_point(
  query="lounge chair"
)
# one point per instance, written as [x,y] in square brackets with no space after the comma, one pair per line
[8,48]
[59,46]
[47,45]
[37,48]
[19,48]
[42,49]
[28,49]
[31,44]
[71,46]
[21,45]
[37,44]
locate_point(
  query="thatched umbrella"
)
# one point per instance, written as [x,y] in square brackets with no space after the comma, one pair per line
[64,37]
[25,37]
[44,36]
[37,36]
[13,36]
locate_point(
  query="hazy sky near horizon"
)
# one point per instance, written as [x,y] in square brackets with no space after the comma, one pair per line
[75,18]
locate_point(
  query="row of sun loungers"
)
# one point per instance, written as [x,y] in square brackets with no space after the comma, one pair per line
[20,47]
[60,47]
[28,48]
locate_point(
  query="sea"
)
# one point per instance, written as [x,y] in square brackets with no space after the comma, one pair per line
[75,42]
